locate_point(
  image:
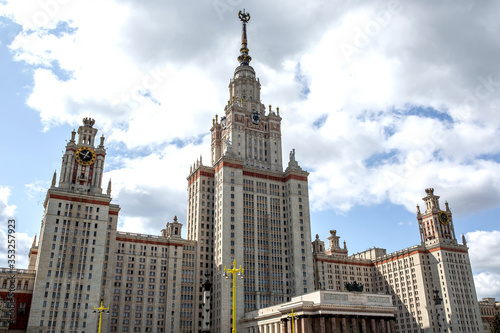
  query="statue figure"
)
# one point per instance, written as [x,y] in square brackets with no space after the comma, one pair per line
[354,286]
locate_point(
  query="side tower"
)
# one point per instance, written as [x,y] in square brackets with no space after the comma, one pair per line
[446,272]
[75,252]
[436,225]
[83,163]
[244,207]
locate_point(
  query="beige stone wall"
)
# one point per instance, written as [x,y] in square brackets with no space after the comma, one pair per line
[73,250]
[154,278]
[410,276]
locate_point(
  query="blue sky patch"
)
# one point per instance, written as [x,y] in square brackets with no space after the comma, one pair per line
[147,94]
[490,157]
[302,80]
[196,140]
[437,155]
[62,28]
[318,123]
[62,74]
[427,112]
[388,131]
[381,158]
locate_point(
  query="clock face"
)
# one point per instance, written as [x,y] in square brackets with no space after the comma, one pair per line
[85,155]
[443,218]
[255,117]
[223,122]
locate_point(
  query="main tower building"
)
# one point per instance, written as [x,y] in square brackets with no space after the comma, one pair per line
[244,207]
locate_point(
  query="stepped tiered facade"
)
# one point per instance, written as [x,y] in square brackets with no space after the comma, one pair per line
[246,206]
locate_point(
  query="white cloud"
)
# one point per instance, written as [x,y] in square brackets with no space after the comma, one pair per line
[484,252]
[414,106]
[157,191]
[22,240]
[369,101]
[23,244]
[6,211]
[37,190]
[487,285]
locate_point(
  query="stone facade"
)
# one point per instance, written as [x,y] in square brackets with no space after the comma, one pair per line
[75,252]
[153,282]
[243,207]
[325,312]
[16,291]
[489,308]
[412,275]
[148,282]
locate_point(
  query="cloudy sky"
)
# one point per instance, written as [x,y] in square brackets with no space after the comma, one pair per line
[380,99]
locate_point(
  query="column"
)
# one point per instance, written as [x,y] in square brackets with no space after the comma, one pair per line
[309,321]
[383,327]
[322,324]
[284,326]
[289,325]
[363,325]
[354,325]
[373,325]
[303,325]
[392,324]
[344,325]
[333,324]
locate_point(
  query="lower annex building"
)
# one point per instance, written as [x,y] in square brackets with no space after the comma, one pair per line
[438,268]
[241,208]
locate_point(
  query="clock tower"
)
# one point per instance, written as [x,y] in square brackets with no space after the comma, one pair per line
[83,163]
[77,241]
[436,225]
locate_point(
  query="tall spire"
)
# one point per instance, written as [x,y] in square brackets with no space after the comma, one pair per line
[54,179]
[244,58]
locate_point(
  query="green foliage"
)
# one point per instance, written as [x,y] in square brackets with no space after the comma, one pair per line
[496,324]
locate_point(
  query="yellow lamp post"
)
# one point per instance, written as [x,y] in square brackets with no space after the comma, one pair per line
[233,271]
[293,315]
[100,309]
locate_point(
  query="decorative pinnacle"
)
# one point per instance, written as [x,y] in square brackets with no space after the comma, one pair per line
[244,58]
[88,122]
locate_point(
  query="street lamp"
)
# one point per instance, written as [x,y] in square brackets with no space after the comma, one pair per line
[100,309]
[293,315]
[232,271]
